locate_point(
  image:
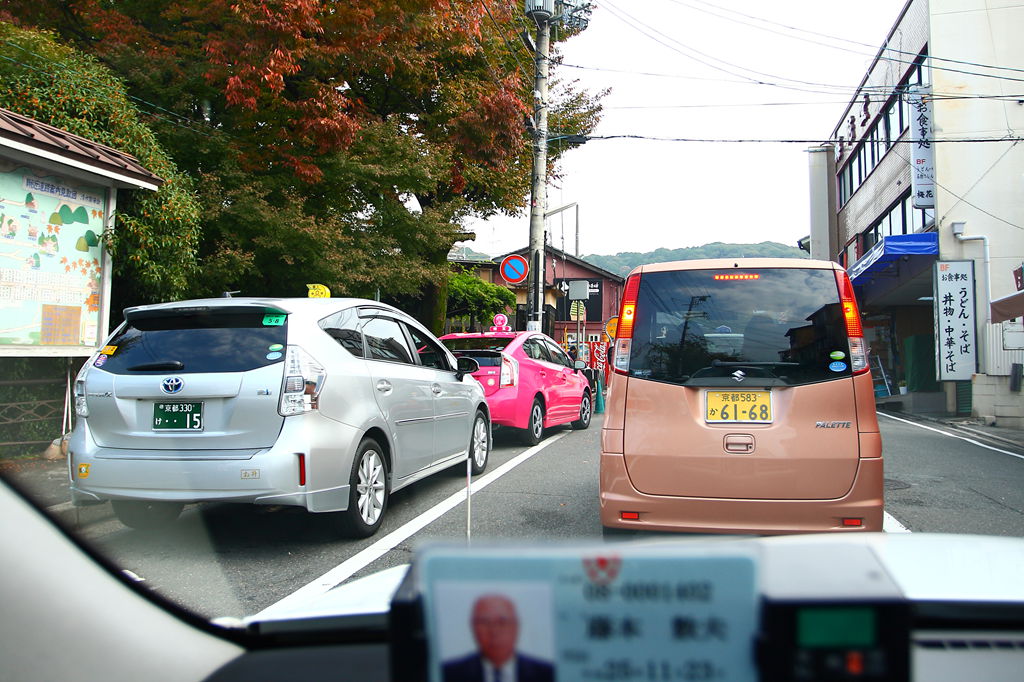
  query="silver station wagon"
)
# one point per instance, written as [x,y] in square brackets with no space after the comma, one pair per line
[327,404]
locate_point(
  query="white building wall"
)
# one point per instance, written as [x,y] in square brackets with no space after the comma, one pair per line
[981,184]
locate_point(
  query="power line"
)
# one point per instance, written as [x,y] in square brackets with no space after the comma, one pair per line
[789,141]
[886,48]
[620,14]
[154,108]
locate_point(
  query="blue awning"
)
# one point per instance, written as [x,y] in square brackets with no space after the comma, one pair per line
[891,249]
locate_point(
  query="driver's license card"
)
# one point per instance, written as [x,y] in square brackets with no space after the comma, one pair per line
[601,614]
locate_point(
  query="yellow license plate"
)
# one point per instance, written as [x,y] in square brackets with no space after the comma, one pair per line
[738,406]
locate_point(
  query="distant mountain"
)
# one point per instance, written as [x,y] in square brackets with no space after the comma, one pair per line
[622,263]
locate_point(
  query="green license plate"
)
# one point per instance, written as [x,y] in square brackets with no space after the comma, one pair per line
[178,416]
[752,407]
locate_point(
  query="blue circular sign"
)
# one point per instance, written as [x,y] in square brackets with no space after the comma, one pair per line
[514,269]
[837,366]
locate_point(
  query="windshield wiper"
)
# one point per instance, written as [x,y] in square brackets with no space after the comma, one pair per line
[768,363]
[175,365]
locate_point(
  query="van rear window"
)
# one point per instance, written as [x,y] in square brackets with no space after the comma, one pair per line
[197,341]
[776,326]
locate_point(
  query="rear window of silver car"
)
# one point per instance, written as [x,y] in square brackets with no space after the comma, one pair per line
[778,326]
[196,341]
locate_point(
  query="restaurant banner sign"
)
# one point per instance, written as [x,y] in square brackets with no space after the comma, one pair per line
[955,355]
[922,171]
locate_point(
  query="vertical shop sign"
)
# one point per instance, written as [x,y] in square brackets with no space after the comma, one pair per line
[922,172]
[51,262]
[954,320]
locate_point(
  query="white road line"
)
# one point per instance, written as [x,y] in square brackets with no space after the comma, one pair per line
[365,557]
[951,435]
[891,525]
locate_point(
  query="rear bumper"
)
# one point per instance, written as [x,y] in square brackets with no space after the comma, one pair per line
[267,476]
[506,410]
[760,517]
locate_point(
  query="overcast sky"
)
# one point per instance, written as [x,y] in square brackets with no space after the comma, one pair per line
[808,56]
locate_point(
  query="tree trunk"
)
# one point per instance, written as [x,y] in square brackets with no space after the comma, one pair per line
[434,306]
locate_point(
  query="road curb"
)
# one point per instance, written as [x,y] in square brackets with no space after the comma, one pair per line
[80,517]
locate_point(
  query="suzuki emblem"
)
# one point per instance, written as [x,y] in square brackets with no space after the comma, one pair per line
[172,385]
[739,375]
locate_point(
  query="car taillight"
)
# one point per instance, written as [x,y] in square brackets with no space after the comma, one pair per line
[624,332]
[851,317]
[81,405]
[303,379]
[509,372]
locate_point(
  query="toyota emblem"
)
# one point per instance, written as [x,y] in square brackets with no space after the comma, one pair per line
[172,385]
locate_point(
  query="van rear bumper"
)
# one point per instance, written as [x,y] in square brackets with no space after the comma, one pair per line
[760,517]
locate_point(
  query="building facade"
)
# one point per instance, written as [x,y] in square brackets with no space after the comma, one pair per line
[919,197]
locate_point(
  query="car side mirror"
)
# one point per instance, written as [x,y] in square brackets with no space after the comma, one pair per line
[465,366]
[579,364]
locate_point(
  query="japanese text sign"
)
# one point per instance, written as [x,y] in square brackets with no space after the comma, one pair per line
[954,320]
[922,161]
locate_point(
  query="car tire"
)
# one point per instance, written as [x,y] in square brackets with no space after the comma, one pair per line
[535,426]
[479,443]
[369,491]
[586,411]
[145,514]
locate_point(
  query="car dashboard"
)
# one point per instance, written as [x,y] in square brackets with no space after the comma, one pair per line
[810,607]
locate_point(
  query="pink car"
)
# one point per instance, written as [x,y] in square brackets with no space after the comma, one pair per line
[529,381]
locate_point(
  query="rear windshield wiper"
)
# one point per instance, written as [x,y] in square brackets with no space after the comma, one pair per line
[768,363]
[174,365]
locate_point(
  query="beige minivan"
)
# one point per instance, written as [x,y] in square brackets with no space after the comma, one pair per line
[741,401]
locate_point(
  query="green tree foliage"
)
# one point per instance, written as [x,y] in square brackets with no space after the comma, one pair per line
[622,263]
[470,296]
[341,142]
[156,238]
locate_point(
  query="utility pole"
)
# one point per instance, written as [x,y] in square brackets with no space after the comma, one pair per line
[575,14]
[541,12]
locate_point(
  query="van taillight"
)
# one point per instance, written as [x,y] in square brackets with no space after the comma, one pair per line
[624,332]
[509,372]
[303,379]
[851,316]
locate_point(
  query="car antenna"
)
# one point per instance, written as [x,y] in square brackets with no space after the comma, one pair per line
[227,294]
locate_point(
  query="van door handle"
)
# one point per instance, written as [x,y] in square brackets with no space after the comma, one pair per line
[436,389]
[739,444]
[383,385]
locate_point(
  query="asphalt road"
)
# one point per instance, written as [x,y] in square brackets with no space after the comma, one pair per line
[229,560]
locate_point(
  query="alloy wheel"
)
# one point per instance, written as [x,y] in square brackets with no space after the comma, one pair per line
[370,487]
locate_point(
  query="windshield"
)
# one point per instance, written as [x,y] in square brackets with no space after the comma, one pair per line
[541,275]
[195,342]
[697,325]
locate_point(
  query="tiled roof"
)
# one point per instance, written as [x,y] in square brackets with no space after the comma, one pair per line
[97,157]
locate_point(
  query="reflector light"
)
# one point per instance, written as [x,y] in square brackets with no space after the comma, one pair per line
[302,468]
[856,523]
[739,276]
[630,516]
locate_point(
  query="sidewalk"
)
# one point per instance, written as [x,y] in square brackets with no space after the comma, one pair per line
[46,480]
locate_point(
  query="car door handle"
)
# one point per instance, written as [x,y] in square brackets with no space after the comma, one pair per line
[384,386]
[435,389]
